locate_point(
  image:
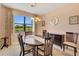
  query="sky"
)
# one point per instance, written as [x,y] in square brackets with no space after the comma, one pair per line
[20,19]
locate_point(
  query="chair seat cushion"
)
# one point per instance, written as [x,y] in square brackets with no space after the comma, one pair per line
[70,44]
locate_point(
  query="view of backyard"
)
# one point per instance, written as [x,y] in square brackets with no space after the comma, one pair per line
[21,28]
[20,22]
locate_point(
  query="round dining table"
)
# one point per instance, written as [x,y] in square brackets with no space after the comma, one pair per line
[33,41]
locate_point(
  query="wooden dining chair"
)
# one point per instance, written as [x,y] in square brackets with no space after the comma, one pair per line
[24,49]
[44,32]
[46,49]
[28,33]
[71,41]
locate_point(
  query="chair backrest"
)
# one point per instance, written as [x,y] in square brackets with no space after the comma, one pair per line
[72,37]
[21,42]
[48,44]
[44,32]
[28,33]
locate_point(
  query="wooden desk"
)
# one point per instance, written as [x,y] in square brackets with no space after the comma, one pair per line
[33,41]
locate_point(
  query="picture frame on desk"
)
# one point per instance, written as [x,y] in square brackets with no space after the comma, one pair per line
[73,20]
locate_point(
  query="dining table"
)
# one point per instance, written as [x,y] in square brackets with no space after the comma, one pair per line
[34,41]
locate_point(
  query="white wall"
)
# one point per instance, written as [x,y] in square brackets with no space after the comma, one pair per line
[63,14]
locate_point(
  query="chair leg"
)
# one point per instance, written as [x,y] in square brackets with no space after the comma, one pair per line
[37,50]
[20,53]
[51,51]
[63,47]
[75,50]
[23,53]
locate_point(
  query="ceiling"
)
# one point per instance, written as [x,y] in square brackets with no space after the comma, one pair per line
[39,8]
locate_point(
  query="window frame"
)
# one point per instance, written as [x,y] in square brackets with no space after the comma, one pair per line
[24,24]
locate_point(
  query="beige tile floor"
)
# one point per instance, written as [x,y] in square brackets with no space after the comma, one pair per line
[14,50]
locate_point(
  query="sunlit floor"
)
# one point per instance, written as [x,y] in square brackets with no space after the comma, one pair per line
[14,50]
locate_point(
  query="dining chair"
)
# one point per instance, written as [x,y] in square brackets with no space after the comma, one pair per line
[28,33]
[24,49]
[44,32]
[46,49]
[71,41]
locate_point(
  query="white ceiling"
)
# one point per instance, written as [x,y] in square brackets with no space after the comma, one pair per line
[39,9]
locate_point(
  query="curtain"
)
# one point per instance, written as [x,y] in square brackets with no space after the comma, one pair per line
[9,25]
[6,24]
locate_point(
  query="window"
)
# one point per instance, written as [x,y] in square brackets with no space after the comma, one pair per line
[22,23]
[28,23]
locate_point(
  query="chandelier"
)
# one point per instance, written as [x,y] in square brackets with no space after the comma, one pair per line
[36,18]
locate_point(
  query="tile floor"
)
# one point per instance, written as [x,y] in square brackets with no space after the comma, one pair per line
[14,50]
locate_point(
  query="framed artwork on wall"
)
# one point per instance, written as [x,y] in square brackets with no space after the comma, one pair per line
[54,21]
[73,20]
[43,23]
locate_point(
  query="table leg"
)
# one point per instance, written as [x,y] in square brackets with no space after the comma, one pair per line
[33,50]
[37,50]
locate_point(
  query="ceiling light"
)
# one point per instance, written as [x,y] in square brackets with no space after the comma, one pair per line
[36,18]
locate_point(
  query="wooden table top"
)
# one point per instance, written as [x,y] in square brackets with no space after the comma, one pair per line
[33,40]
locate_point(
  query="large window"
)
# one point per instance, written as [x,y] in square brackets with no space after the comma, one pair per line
[22,23]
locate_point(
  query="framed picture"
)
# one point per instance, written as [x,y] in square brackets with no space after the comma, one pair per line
[73,20]
[43,23]
[54,21]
